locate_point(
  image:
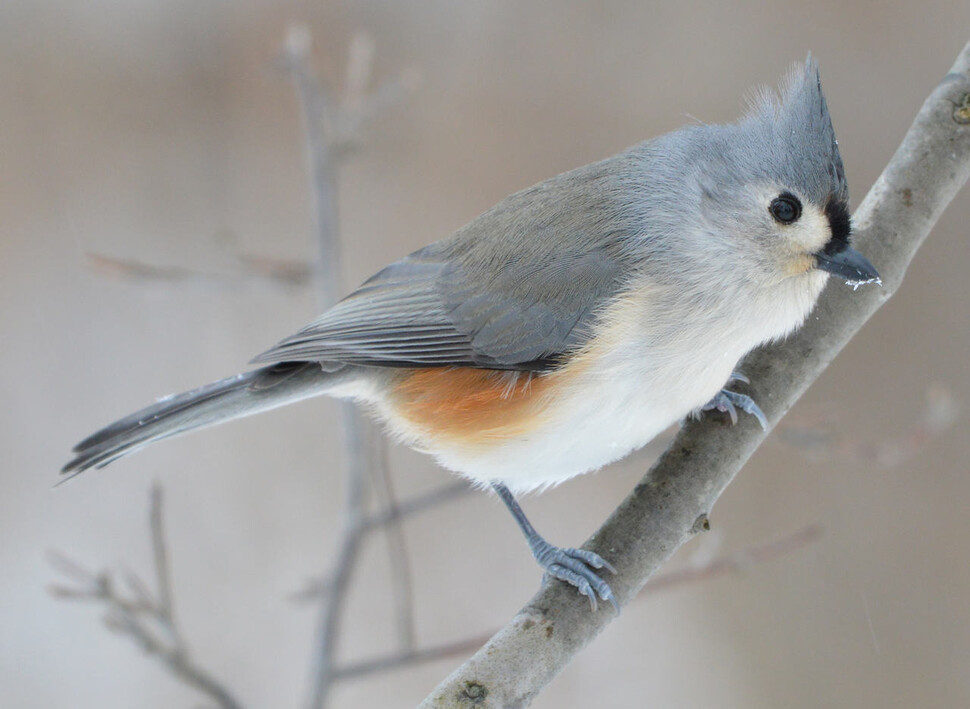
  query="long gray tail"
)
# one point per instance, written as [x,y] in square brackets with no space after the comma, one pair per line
[224,400]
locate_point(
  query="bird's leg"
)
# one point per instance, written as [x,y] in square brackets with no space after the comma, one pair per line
[574,566]
[729,402]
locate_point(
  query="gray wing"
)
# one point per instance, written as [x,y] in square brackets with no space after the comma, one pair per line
[396,318]
[514,289]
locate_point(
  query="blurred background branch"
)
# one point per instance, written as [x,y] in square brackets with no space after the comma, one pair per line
[148,618]
[332,123]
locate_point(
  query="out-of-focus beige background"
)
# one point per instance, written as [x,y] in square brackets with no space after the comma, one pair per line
[157,131]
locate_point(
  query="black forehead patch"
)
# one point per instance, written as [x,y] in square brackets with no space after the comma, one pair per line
[837,212]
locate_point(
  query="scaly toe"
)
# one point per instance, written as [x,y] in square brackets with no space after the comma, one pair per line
[591,558]
[576,579]
[577,568]
[748,406]
[729,402]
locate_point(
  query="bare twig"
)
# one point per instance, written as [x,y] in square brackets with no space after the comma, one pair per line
[664,509]
[315,104]
[160,554]
[315,588]
[148,619]
[99,587]
[283,272]
[822,439]
[317,111]
[332,126]
[445,493]
[326,125]
[409,657]
[358,104]
[736,562]
[401,588]
[331,612]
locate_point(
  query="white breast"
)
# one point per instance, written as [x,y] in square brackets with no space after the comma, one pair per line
[652,362]
[645,373]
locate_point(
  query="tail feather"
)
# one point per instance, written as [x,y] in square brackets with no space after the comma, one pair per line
[224,400]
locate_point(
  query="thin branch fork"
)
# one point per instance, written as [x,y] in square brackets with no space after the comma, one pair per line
[332,125]
[329,123]
[147,618]
[733,563]
[663,510]
[144,615]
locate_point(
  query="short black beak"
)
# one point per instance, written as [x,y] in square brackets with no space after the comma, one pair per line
[850,265]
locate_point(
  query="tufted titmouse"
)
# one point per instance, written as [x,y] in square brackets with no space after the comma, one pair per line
[575,320]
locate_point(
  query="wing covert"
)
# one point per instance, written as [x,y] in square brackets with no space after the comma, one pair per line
[516,288]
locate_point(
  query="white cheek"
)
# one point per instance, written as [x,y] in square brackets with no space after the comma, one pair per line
[812,232]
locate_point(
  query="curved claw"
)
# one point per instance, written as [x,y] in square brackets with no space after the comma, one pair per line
[721,402]
[592,559]
[729,402]
[748,406]
[575,579]
[576,567]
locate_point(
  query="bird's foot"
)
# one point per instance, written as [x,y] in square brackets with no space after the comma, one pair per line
[729,402]
[577,567]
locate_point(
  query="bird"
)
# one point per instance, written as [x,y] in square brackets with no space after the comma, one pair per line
[576,319]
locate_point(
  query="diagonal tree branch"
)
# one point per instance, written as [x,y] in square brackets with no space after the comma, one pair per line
[671,503]
[736,562]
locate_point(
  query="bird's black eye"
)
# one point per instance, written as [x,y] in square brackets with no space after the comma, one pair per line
[785,208]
